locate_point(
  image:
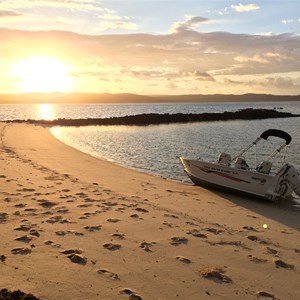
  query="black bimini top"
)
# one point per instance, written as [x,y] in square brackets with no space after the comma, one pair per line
[278,133]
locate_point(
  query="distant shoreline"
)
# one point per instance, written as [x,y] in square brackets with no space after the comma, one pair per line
[90,98]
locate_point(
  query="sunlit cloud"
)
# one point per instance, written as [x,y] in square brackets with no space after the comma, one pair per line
[269,33]
[190,23]
[202,76]
[9,13]
[85,6]
[244,7]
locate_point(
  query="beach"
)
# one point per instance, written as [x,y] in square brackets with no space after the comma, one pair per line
[76,227]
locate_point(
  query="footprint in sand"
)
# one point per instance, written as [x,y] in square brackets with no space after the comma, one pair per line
[266,295]
[147,246]
[171,216]
[270,250]
[85,205]
[214,230]
[168,224]
[62,211]
[142,210]
[255,238]
[47,203]
[34,232]
[113,220]
[281,264]
[20,205]
[23,228]
[72,251]
[21,251]
[78,259]
[183,259]
[112,247]
[93,228]
[134,216]
[249,228]
[176,240]
[132,295]
[26,190]
[197,233]
[24,239]
[57,219]
[52,244]
[216,274]
[3,217]
[75,256]
[191,223]
[63,233]
[120,236]
[108,274]
[257,260]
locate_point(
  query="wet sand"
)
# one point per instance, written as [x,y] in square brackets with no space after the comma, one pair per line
[75,227]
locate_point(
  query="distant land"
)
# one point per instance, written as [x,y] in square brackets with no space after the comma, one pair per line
[32,98]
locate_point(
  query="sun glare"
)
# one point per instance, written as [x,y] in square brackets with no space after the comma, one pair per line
[45,111]
[42,74]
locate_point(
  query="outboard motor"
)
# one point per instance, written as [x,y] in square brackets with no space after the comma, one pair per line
[290,178]
[294,178]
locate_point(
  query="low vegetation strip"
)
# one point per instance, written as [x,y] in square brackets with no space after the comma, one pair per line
[155,119]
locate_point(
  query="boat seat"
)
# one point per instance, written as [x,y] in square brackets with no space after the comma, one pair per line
[224,159]
[240,163]
[264,167]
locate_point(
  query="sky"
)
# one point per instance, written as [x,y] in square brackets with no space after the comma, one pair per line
[150,47]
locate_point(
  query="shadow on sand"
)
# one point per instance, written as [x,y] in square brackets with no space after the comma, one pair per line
[284,211]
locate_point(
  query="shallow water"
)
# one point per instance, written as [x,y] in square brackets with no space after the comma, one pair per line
[155,149]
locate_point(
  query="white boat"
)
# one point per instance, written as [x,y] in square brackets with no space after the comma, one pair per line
[234,174]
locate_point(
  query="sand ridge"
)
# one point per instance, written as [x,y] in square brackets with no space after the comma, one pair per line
[75,227]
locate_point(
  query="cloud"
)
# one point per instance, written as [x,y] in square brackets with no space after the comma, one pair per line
[281,83]
[288,21]
[244,7]
[266,83]
[183,58]
[117,25]
[202,76]
[59,3]
[9,13]
[268,33]
[189,24]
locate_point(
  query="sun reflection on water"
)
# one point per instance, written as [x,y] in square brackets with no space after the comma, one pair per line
[46,111]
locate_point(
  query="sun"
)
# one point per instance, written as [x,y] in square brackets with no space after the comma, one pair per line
[42,74]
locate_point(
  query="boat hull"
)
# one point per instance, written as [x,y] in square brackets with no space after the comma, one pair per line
[217,176]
